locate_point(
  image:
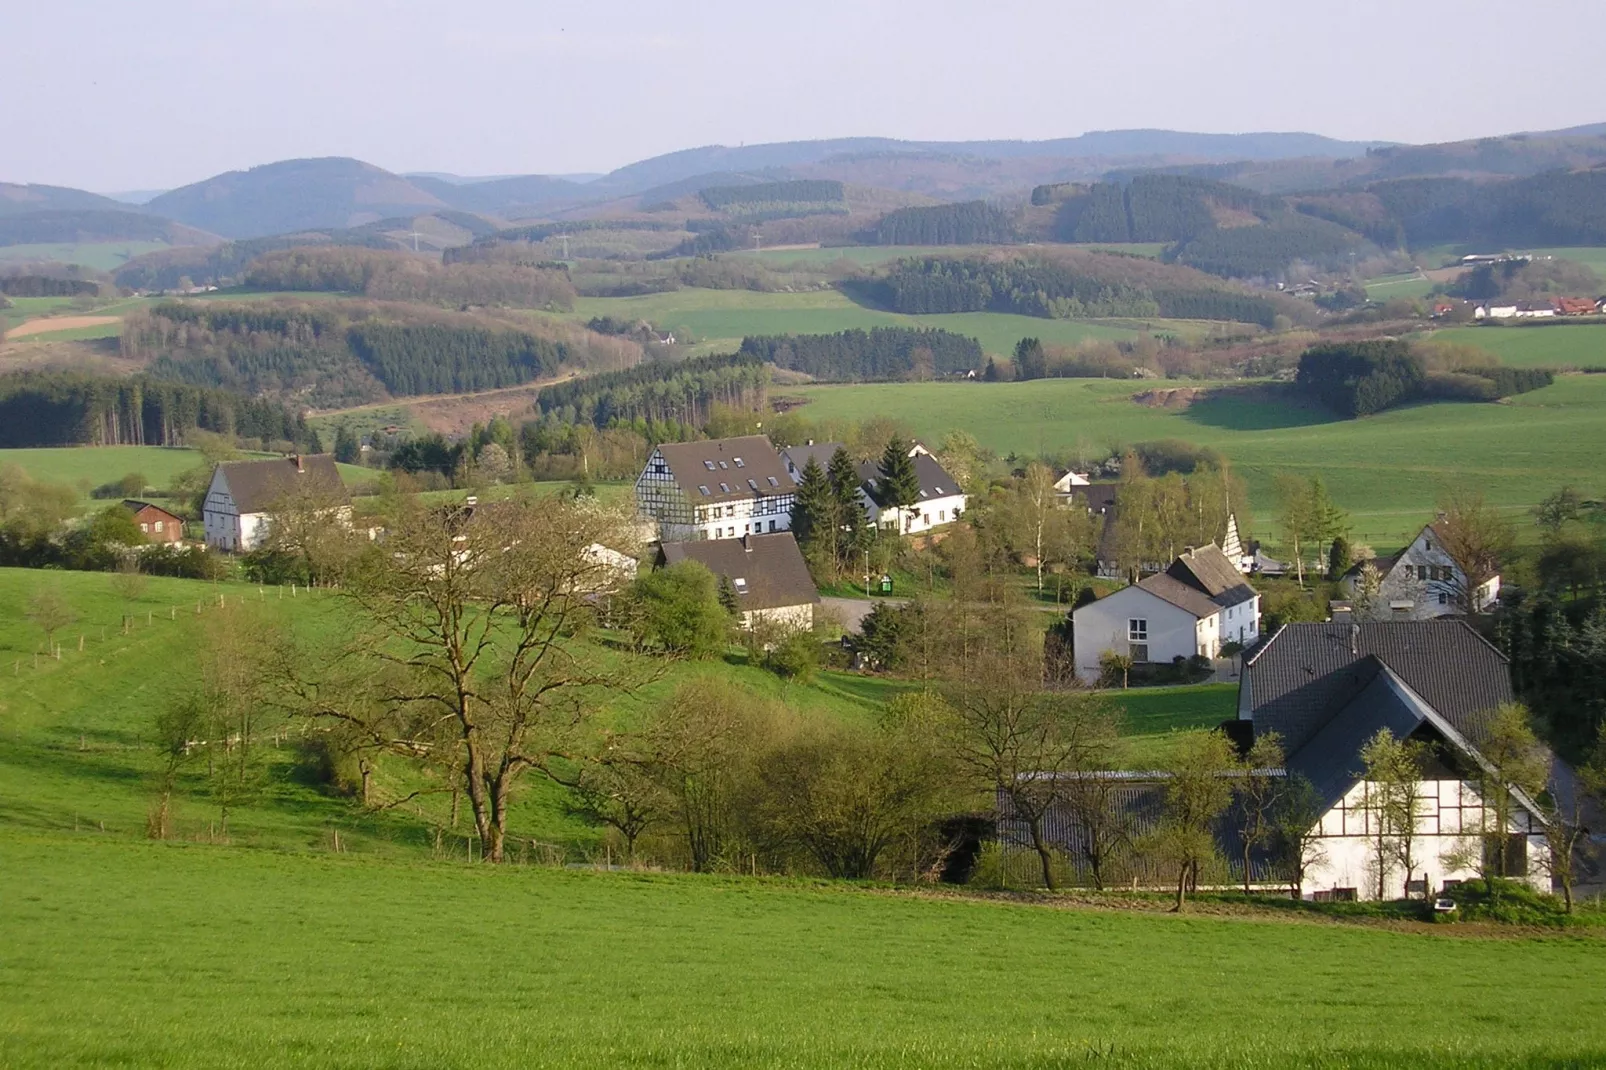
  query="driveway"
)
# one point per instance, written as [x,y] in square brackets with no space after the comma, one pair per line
[850,612]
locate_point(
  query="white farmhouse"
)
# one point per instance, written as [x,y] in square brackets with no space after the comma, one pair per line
[942,501]
[766,574]
[720,489]
[242,494]
[1419,583]
[1194,608]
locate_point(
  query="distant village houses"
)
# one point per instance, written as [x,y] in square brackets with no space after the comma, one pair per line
[1419,583]
[720,489]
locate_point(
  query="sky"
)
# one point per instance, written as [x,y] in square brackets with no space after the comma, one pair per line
[112,96]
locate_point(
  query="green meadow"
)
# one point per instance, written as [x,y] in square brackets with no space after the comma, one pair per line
[1388,470]
[1549,345]
[86,467]
[875,255]
[102,256]
[131,954]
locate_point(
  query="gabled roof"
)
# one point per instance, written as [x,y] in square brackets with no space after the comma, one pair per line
[134,505]
[730,469]
[818,452]
[1208,570]
[1306,673]
[770,568]
[935,482]
[1184,597]
[256,486]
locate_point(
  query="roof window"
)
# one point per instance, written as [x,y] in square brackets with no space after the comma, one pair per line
[726,487]
[773,481]
[753,483]
[703,487]
[708,465]
[724,464]
[739,463]
[740,583]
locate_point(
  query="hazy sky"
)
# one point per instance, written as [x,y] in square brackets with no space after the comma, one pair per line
[112,95]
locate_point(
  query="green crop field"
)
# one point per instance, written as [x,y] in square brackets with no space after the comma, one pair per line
[874,255]
[1550,345]
[719,319]
[1388,470]
[102,256]
[184,956]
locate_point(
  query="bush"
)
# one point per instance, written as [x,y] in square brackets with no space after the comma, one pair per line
[796,657]
[678,608]
[130,486]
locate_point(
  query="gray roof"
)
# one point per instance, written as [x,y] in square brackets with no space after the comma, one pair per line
[935,482]
[730,469]
[1207,570]
[771,568]
[1179,594]
[1306,674]
[256,486]
[818,452]
[134,505]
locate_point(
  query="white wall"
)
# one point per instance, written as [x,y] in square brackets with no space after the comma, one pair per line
[1432,597]
[1239,624]
[1450,818]
[1103,626]
[790,618]
[914,519]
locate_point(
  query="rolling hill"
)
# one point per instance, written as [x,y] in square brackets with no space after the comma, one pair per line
[18,199]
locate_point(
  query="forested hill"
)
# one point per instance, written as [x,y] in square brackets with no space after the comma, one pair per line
[16,199]
[335,353]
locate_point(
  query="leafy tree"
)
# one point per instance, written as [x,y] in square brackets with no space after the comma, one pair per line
[1392,799]
[1297,816]
[1030,361]
[1257,790]
[679,609]
[179,726]
[50,612]
[1514,761]
[1196,794]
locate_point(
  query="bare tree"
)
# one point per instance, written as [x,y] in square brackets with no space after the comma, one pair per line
[472,658]
[1479,539]
[1197,790]
[178,728]
[1257,790]
[1300,845]
[50,612]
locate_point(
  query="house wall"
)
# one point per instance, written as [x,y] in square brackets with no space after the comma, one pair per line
[1425,583]
[220,520]
[790,618]
[1104,626]
[158,526]
[914,519]
[1239,624]
[1451,817]
[677,519]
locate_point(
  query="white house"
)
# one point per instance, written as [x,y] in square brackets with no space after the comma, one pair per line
[1502,311]
[242,494]
[767,576]
[1194,608]
[1420,582]
[721,489]
[942,501]
[1328,689]
[1064,484]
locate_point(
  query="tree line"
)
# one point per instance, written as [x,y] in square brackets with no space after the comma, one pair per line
[878,354]
[802,191]
[1361,378]
[682,391]
[967,223]
[46,286]
[398,276]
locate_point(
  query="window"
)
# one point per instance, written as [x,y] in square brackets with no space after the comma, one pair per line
[1137,630]
[702,487]
[708,465]
[739,463]
[1422,572]
[659,467]
[740,583]
[772,480]
[730,510]
[942,514]
[145,527]
[724,464]
[158,525]
[726,487]
[772,525]
[753,483]
[1444,599]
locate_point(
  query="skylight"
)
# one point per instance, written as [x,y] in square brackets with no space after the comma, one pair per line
[740,583]
[739,463]
[726,487]
[724,464]
[708,465]
[702,487]
[753,483]
[773,481]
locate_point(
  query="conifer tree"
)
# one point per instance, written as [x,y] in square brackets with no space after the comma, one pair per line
[899,485]
[812,507]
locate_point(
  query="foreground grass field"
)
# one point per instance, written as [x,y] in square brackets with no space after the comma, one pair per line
[186,956]
[719,319]
[1388,470]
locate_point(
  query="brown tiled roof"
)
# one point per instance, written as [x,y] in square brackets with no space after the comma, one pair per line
[1208,571]
[766,571]
[1184,597]
[741,468]
[135,506]
[256,485]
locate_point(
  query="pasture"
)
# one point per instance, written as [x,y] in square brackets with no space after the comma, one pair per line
[1549,345]
[719,319]
[1388,470]
[102,256]
[1392,287]
[86,467]
[121,953]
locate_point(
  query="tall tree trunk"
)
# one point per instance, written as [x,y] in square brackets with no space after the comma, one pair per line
[1182,887]
[1044,855]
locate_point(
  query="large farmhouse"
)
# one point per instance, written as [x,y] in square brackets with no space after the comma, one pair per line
[243,494]
[1196,606]
[720,489]
[1421,582]
[766,576]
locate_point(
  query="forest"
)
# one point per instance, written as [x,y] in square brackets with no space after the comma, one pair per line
[336,353]
[398,276]
[46,286]
[1356,379]
[68,409]
[1065,288]
[798,192]
[879,354]
[969,223]
[682,392]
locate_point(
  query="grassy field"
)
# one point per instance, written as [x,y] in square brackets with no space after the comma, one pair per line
[1388,470]
[874,255]
[86,467]
[1390,287]
[1594,257]
[719,319]
[191,956]
[102,256]
[1559,345]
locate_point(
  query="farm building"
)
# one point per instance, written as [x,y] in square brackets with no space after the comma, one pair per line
[766,576]
[155,523]
[1196,606]
[1326,690]
[721,489]
[242,494]
[1418,583]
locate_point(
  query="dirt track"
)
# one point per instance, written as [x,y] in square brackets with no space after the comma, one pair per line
[50,324]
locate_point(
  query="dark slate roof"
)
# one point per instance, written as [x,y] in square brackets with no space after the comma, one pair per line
[256,486]
[134,505]
[1307,673]
[771,568]
[746,465]
[1208,570]
[1179,594]
[819,452]
[935,482]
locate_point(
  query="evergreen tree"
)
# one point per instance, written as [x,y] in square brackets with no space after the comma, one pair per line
[347,448]
[1030,360]
[811,506]
[899,485]
[848,514]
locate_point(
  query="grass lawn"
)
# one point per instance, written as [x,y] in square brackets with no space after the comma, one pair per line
[1388,470]
[719,319]
[1391,287]
[132,954]
[1154,716]
[1593,256]
[1552,345]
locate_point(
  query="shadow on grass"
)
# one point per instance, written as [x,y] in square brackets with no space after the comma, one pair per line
[1257,407]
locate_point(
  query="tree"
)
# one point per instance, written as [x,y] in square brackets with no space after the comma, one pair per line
[1093,800]
[1392,798]
[239,657]
[961,456]
[1297,816]
[178,727]
[309,537]
[897,483]
[1308,518]
[493,462]
[1514,763]
[469,660]
[347,449]
[1339,558]
[616,789]
[1197,790]
[814,516]
[1035,524]
[843,476]
[1257,788]
[50,612]
[679,609]
[1030,360]
[700,745]
[1479,539]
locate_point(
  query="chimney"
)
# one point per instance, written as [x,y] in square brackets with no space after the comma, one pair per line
[300,465]
[1354,638]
